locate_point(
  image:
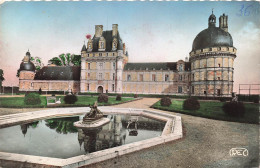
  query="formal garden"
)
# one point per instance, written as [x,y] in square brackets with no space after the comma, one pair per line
[226,111]
[35,100]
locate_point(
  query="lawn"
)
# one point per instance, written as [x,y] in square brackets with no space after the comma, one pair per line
[213,110]
[18,102]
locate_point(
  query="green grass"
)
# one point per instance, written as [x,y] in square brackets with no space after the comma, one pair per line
[213,110]
[18,102]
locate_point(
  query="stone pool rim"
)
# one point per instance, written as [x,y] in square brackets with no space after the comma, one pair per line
[172,131]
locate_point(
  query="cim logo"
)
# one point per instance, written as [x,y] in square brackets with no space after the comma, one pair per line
[238,152]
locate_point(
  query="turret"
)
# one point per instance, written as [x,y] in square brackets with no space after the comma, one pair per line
[212,20]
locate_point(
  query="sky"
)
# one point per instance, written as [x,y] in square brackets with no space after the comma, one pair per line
[152,31]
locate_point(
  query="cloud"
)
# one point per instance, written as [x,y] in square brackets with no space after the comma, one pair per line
[246,66]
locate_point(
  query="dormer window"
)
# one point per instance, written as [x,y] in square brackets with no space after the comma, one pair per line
[180,67]
[89,45]
[102,44]
[114,44]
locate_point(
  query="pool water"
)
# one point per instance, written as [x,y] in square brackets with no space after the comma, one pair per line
[58,138]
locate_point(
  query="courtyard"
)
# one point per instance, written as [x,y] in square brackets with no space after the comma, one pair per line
[206,143]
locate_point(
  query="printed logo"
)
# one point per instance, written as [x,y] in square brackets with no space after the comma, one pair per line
[238,152]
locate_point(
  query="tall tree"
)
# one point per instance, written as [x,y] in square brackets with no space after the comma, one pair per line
[66,60]
[1,79]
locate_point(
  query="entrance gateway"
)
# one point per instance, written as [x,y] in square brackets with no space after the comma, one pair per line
[100,89]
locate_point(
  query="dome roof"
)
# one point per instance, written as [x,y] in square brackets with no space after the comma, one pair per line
[27,66]
[212,37]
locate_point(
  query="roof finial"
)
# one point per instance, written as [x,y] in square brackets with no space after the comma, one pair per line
[212,10]
[84,42]
[28,49]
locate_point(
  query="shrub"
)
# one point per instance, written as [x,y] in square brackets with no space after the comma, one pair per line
[234,109]
[119,97]
[136,95]
[166,101]
[191,104]
[32,99]
[70,99]
[102,98]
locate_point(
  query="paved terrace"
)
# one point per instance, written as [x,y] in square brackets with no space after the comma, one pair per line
[207,144]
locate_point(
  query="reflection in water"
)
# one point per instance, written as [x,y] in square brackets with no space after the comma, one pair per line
[110,135]
[24,127]
[62,125]
[58,137]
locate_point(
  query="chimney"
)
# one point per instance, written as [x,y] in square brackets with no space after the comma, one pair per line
[98,30]
[124,51]
[114,29]
[223,22]
[186,59]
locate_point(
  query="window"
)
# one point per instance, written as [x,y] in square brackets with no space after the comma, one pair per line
[113,87]
[88,65]
[180,67]
[141,77]
[88,75]
[102,45]
[128,77]
[218,92]
[100,54]
[218,65]
[113,54]
[100,65]
[179,89]
[113,76]
[218,78]
[89,45]
[87,87]
[32,84]
[180,77]
[107,54]
[192,89]
[114,65]
[193,77]
[166,77]
[205,92]
[100,76]
[88,55]
[153,77]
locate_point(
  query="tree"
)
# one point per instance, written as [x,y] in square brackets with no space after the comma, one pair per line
[1,79]
[66,60]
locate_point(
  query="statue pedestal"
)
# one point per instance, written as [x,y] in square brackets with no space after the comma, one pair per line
[91,124]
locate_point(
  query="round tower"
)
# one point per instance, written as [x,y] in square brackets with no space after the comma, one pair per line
[212,58]
[27,73]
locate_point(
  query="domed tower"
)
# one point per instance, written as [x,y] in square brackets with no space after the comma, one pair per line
[212,58]
[27,73]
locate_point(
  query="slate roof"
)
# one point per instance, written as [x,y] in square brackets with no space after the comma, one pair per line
[155,66]
[187,66]
[27,66]
[150,66]
[58,73]
[109,39]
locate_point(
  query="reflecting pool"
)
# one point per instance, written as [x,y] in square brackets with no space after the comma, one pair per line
[57,137]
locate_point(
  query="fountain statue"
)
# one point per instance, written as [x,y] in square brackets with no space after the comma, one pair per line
[93,119]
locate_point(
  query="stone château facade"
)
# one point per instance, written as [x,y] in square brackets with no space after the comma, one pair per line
[105,67]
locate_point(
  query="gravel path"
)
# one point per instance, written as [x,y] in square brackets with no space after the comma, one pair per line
[206,145]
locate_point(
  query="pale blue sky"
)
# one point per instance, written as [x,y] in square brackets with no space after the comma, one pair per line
[152,31]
